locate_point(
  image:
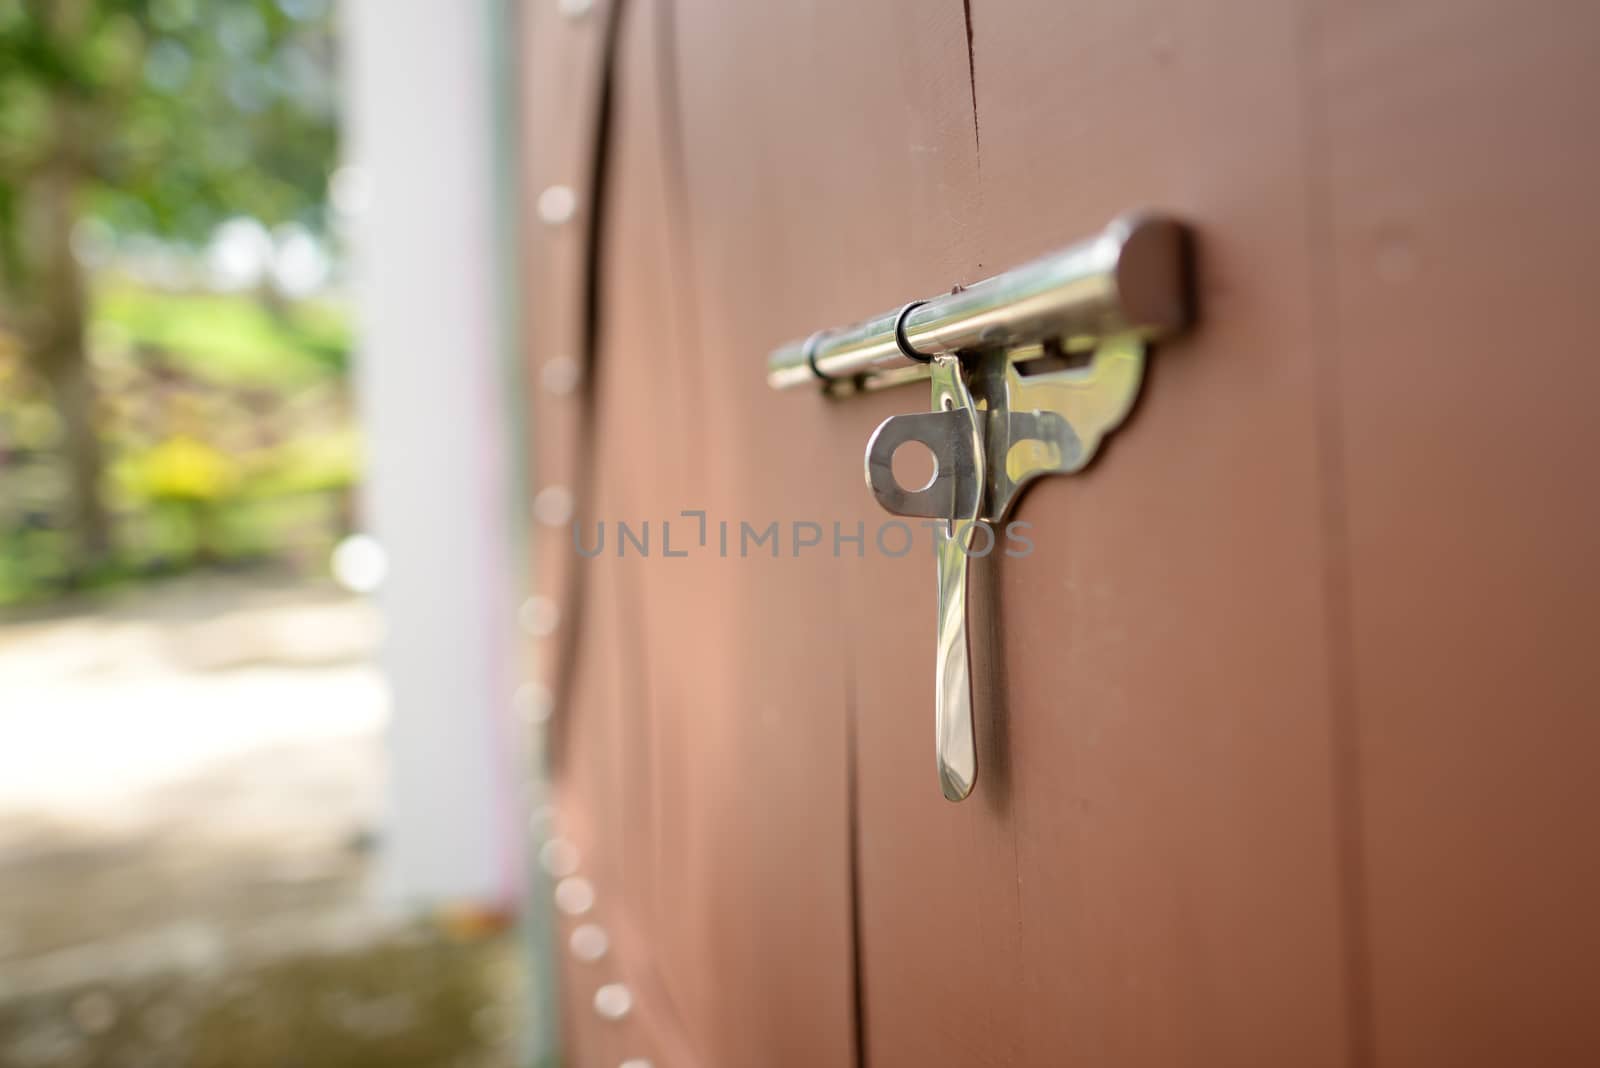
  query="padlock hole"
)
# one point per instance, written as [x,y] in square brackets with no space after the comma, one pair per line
[914,466]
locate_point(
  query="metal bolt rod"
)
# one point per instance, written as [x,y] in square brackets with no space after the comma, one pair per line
[1131,278]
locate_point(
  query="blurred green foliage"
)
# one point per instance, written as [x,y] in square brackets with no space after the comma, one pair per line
[226,337]
[147,424]
[228,433]
[177,113]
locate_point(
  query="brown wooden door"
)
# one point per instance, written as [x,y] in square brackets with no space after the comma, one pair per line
[1288,752]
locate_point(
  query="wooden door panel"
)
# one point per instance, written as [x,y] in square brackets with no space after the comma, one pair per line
[805,206]
[640,445]
[1288,716]
[741,900]
[1147,874]
[1459,152]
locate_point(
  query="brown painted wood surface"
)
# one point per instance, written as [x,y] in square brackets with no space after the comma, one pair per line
[1459,162]
[1288,751]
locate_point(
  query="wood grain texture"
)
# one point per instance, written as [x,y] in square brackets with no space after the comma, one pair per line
[1285,755]
[1457,143]
[1148,872]
[829,164]
[564,71]
[730,822]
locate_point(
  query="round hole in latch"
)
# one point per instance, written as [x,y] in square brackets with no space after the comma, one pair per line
[914,466]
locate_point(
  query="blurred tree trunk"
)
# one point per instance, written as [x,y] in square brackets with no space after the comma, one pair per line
[73,389]
[43,285]
[61,356]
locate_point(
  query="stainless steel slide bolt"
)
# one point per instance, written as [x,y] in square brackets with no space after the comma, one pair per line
[1030,370]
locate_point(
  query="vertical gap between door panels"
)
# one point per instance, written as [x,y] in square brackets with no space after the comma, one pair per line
[1328,416]
[572,598]
[853,839]
[679,220]
[667,1031]
[972,84]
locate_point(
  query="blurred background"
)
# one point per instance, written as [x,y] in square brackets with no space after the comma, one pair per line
[261,781]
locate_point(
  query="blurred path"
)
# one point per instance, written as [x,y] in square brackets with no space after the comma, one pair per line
[190,777]
[104,716]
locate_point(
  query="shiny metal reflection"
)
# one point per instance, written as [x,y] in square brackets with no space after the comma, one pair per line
[1129,279]
[956,747]
[1031,370]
